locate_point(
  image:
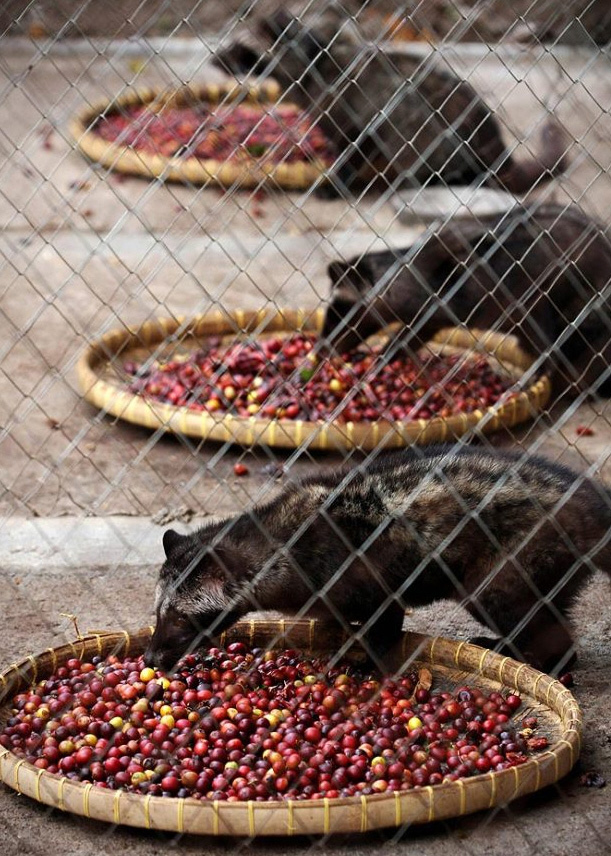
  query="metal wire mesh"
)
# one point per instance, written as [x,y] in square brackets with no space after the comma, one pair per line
[494,100]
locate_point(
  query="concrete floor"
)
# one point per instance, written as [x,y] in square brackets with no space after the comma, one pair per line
[81,252]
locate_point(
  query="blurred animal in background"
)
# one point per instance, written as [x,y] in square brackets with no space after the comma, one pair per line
[541,273]
[395,119]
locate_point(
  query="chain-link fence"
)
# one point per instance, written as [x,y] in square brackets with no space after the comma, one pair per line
[297,181]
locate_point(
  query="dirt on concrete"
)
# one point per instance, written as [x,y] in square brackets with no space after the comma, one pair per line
[574,22]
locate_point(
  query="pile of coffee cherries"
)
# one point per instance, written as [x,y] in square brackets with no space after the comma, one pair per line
[245,724]
[278,134]
[280,378]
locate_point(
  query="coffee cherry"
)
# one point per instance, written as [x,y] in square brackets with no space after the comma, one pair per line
[277,379]
[242,724]
[279,134]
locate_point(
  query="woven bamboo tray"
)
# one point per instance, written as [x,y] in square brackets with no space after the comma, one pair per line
[101,381]
[191,170]
[452,664]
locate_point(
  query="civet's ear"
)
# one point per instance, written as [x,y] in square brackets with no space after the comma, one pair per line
[281,28]
[237,59]
[171,540]
[278,24]
[336,273]
[351,279]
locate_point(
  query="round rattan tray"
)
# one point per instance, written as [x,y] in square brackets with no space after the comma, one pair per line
[191,170]
[452,664]
[101,381]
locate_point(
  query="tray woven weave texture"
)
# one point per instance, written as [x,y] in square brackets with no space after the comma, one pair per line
[250,173]
[101,383]
[452,662]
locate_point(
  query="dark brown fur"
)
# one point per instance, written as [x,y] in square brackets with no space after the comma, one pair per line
[498,532]
[394,119]
[543,274]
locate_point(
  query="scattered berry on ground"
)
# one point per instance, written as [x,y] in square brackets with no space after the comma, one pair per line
[592,779]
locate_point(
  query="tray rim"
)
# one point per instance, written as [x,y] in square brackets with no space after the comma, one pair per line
[284,433]
[190,170]
[351,814]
